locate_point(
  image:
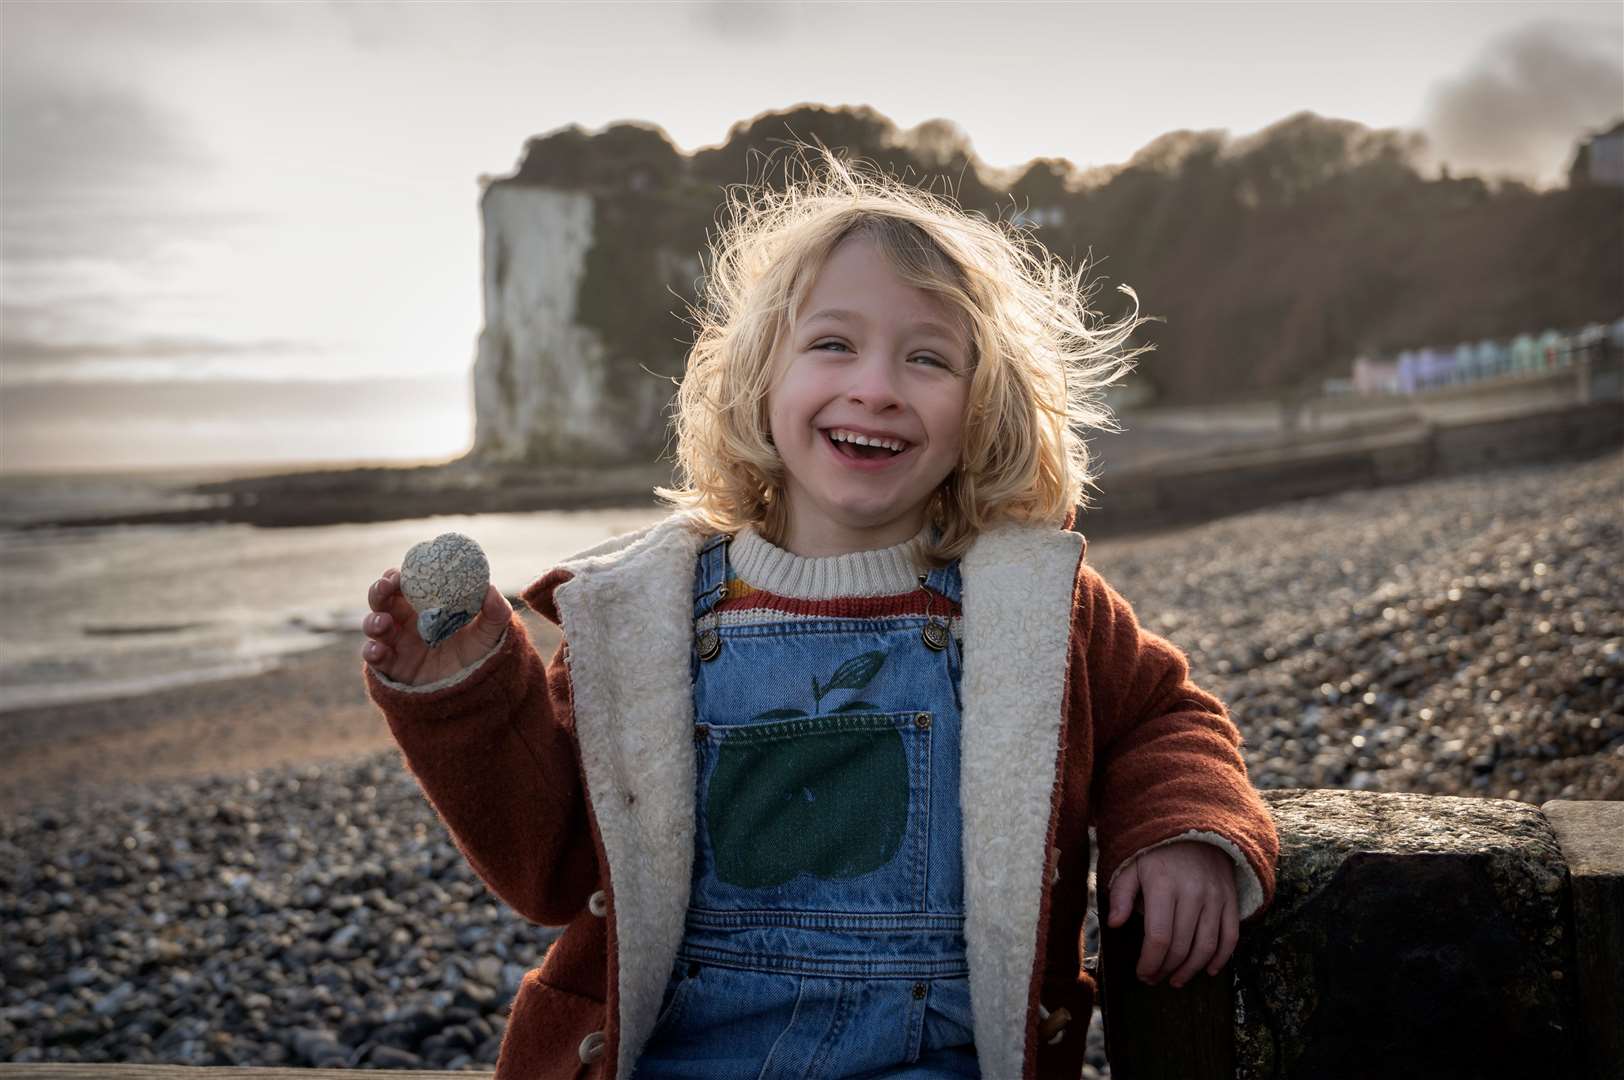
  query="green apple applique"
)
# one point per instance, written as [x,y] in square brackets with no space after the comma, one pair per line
[825,795]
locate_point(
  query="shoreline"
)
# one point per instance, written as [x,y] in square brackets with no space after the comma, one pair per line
[1150,478]
[309,708]
[368,494]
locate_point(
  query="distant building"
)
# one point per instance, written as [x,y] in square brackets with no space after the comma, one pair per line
[1492,359]
[1465,362]
[1435,367]
[1407,368]
[1599,159]
[1372,376]
[1525,354]
[1040,216]
[1598,348]
[1555,350]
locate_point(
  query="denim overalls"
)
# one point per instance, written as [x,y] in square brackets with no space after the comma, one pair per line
[824,935]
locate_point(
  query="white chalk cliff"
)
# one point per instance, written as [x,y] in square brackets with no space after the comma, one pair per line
[541,381]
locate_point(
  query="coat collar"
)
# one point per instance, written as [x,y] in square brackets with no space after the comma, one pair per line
[626,611]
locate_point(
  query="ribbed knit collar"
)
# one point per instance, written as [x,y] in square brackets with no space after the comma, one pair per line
[886,572]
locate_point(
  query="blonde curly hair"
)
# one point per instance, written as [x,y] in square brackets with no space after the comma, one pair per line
[1038,361]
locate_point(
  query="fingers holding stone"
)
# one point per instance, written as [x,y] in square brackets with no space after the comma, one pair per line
[380,595]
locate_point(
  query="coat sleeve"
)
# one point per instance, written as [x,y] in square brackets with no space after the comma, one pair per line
[495,754]
[1167,763]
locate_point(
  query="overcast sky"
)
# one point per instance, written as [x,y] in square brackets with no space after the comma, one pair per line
[289,189]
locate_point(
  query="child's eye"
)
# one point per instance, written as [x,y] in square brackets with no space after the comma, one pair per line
[927,358]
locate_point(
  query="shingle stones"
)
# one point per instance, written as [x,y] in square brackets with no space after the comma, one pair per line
[445,580]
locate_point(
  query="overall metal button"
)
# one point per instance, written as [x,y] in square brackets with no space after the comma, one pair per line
[710,644]
[935,635]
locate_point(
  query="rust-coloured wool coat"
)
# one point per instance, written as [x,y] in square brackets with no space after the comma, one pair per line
[569,787]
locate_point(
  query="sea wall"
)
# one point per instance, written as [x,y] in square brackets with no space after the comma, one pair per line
[1185,491]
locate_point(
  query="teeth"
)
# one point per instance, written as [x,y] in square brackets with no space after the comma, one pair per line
[863,440]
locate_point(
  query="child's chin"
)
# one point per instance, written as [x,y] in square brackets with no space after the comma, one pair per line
[874,516]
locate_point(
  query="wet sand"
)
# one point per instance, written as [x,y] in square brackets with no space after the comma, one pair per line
[312,709]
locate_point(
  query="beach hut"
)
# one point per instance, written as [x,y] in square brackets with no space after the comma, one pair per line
[1525,354]
[1373,376]
[1491,359]
[1589,344]
[1435,368]
[1466,363]
[1409,372]
[1555,350]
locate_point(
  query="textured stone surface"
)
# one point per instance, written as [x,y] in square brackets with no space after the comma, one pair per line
[1455,637]
[445,580]
[1592,837]
[1410,936]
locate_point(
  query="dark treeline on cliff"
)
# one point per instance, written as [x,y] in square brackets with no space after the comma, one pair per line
[1272,259]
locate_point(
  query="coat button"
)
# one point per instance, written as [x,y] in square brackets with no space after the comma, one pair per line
[1052,1028]
[592,1047]
[598,904]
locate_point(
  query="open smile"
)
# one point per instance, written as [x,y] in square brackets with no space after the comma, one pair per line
[863,450]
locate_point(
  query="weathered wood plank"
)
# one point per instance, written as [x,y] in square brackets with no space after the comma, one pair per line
[1158,1032]
[1592,839]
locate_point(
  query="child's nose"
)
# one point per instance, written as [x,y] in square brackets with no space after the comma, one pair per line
[874,385]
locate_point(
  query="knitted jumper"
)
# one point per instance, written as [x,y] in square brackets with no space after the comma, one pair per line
[770,585]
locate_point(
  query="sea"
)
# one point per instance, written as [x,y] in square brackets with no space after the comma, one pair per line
[100,612]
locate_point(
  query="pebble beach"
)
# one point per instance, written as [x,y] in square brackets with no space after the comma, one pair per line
[244,874]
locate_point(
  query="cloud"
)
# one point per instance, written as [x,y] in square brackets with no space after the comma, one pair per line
[745,20]
[68,141]
[1526,101]
[29,360]
[163,348]
[373,27]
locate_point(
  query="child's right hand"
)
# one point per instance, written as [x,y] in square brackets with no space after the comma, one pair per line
[395,650]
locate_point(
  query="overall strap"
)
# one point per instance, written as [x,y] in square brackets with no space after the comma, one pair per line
[945,581]
[710,583]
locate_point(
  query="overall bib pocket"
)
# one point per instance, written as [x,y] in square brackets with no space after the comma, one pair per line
[817,807]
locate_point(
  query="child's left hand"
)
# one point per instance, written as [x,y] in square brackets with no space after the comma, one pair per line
[1190,909]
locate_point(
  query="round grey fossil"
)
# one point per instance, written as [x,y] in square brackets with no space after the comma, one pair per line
[445,580]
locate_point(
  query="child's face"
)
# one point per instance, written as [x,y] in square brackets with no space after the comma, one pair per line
[895,367]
